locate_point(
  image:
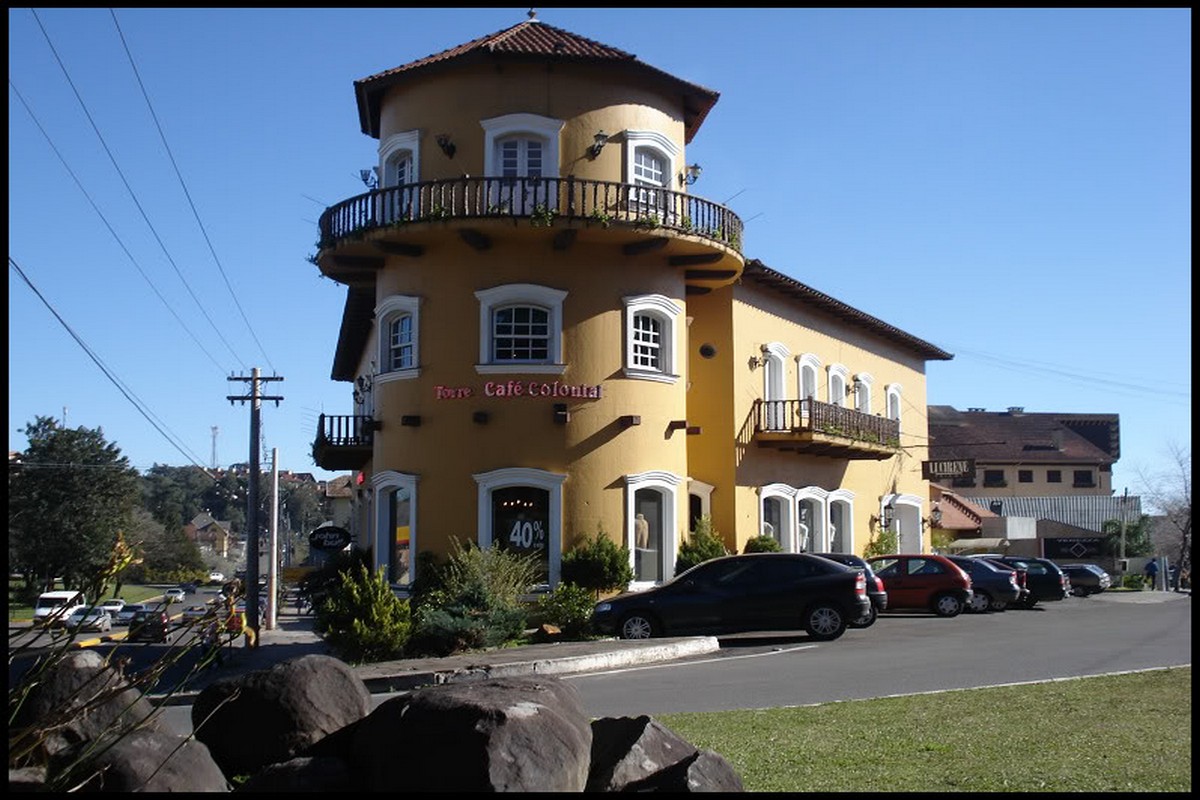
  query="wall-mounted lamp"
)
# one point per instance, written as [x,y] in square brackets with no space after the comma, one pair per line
[598,142]
[885,521]
[935,516]
[690,175]
[755,362]
[443,141]
[369,177]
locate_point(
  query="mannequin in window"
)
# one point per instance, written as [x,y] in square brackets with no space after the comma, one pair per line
[641,532]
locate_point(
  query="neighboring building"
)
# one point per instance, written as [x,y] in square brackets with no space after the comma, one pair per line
[1027,454]
[209,534]
[572,341]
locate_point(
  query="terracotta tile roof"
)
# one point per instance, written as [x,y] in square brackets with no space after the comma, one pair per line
[531,39]
[1017,436]
[958,512]
[763,275]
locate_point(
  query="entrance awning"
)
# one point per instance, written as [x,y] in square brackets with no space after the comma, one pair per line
[989,545]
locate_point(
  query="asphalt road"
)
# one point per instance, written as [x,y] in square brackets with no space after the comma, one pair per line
[906,653]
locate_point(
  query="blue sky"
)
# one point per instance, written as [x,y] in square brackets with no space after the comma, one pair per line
[1013,186]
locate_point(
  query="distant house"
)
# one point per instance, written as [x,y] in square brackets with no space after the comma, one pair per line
[209,534]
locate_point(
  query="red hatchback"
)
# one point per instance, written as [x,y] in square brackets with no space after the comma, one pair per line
[923,581]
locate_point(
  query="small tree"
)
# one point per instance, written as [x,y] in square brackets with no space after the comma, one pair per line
[762,544]
[568,607]
[363,619]
[703,545]
[598,564]
[885,543]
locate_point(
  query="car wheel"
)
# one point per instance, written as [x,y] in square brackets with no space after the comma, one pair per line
[636,625]
[981,603]
[867,620]
[998,604]
[947,605]
[824,622]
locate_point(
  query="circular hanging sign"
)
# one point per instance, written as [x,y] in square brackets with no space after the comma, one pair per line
[329,537]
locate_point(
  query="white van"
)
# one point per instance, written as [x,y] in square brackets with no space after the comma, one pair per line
[57,606]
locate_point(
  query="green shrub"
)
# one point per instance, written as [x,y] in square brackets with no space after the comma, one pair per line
[473,600]
[598,564]
[884,544]
[569,608]
[317,585]
[703,545]
[762,544]
[363,619]
[1134,581]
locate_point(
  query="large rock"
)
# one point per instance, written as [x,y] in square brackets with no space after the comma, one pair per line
[273,715]
[78,699]
[305,775]
[705,771]
[626,750]
[497,735]
[141,761]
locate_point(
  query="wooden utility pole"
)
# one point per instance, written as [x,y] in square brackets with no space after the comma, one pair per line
[252,534]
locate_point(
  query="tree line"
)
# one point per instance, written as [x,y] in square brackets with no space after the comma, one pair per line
[77,507]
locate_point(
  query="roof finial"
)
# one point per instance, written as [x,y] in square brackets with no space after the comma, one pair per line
[532,14]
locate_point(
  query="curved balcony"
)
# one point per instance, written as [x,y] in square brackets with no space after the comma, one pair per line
[344,441]
[809,426]
[691,232]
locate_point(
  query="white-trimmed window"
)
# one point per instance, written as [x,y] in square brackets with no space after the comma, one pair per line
[521,146]
[811,527]
[840,503]
[778,415]
[650,161]
[862,392]
[651,323]
[520,329]
[699,501]
[838,376]
[777,510]
[809,368]
[395,540]
[894,394]
[650,525]
[520,510]
[398,333]
[399,157]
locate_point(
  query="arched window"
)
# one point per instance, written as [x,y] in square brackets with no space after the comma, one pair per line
[398,332]
[778,414]
[395,537]
[841,521]
[399,156]
[520,510]
[649,166]
[650,337]
[837,385]
[650,512]
[809,365]
[862,392]
[520,329]
[893,393]
[520,146]
[778,514]
[811,520]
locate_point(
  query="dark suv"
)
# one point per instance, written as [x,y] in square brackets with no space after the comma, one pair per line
[875,589]
[1045,581]
[149,626]
[995,587]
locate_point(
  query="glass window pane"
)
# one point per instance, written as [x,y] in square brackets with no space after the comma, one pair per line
[648,535]
[521,523]
[400,514]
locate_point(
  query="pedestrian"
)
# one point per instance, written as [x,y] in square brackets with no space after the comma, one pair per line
[1151,571]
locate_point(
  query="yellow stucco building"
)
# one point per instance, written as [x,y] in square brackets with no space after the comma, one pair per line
[548,334]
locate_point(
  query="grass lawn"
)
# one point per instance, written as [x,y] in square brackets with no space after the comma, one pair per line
[1105,734]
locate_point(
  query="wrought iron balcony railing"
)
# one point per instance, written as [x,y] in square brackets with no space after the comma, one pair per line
[344,441]
[540,200]
[808,416]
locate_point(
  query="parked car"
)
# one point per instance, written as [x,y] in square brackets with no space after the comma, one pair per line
[1086,578]
[125,615]
[1045,580]
[216,577]
[923,581]
[875,591]
[747,592]
[174,595]
[53,608]
[149,626]
[113,606]
[1027,599]
[94,619]
[197,612]
[994,588]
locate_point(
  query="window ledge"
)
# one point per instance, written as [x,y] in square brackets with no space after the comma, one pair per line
[516,368]
[646,375]
[398,375]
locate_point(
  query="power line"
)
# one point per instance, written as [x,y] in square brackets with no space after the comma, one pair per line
[186,193]
[107,225]
[128,393]
[133,195]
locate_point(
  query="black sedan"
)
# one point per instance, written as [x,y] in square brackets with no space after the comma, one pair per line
[875,590]
[748,592]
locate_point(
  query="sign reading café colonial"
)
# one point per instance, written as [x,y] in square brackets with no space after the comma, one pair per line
[949,468]
[551,389]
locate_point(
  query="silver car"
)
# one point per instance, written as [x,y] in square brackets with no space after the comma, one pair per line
[94,619]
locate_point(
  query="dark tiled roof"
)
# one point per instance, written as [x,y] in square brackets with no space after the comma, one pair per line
[1089,512]
[1017,436]
[528,40]
[357,317]
[765,276]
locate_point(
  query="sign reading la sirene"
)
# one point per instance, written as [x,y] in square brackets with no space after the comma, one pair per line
[553,389]
[948,468]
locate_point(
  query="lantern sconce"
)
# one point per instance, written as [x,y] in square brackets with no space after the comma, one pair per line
[598,142]
[443,141]
[690,175]
[885,520]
